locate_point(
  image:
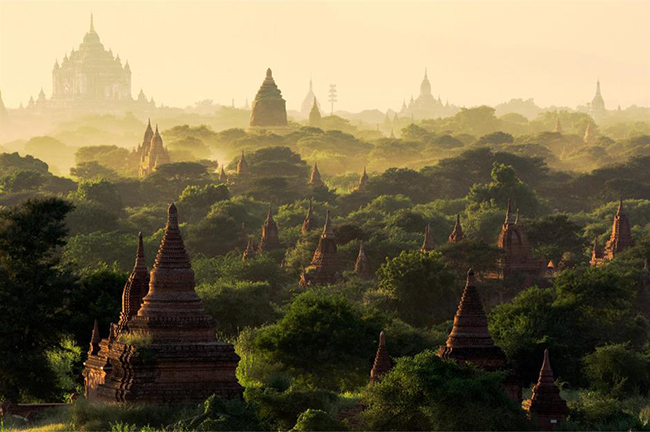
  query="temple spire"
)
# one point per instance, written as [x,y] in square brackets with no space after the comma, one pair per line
[309,223]
[315,178]
[249,253]
[508,212]
[242,165]
[172,254]
[361,266]
[363,180]
[327,228]
[546,404]
[92,23]
[457,233]
[270,239]
[382,362]
[427,244]
[95,338]
[222,175]
[136,287]
[558,126]
[324,264]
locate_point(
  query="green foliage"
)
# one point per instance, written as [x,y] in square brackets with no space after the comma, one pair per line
[423,290]
[92,170]
[223,415]
[32,296]
[323,340]
[63,361]
[555,235]
[195,201]
[428,393]
[618,371]
[101,192]
[317,420]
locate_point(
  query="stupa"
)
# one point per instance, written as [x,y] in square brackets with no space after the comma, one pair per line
[362,180]
[270,240]
[315,179]
[361,266]
[382,362]
[619,240]
[457,233]
[168,352]
[546,404]
[324,268]
[269,108]
[310,221]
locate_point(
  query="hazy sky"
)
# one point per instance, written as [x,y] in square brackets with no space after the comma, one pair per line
[477,52]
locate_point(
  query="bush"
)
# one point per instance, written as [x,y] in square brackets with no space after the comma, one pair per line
[317,420]
[618,371]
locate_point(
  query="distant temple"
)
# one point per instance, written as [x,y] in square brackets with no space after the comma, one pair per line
[242,165]
[363,179]
[426,106]
[597,106]
[269,108]
[361,265]
[166,351]
[427,243]
[470,341]
[249,252]
[270,240]
[152,153]
[310,221]
[315,179]
[457,233]
[309,102]
[620,239]
[382,363]
[314,115]
[324,268]
[546,404]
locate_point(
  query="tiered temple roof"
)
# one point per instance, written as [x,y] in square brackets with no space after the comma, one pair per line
[324,268]
[619,240]
[314,115]
[457,233]
[136,287]
[168,352]
[242,165]
[382,362]
[152,152]
[223,178]
[361,266]
[315,179]
[310,221]
[270,240]
[427,244]
[269,108]
[546,404]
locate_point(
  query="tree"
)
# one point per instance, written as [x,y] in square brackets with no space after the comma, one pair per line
[555,235]
[32,296]
[323,340]
[427,393]
[618,371]
[195,201]
[423,289]
[101,192]
[92,170]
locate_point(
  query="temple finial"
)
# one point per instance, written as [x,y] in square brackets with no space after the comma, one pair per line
[327,228]
[508,211]
[92,23]
[269,73]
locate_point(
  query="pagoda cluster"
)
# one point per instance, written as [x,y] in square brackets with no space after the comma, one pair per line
[151,153]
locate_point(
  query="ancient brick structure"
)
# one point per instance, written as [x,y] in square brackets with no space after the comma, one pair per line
[269,108]
[427,244]
[546,405]
[249,252]
[314,115]
[242,165]
[363,180]
[457,233]
[168,352]
[270,240]
[151,153]
[361,266]
[597,254]
[470,340]
[517,257]
[619,240]
[314,179]
[136,287]
[310,221]
[382,362]
[223,178]
[324,267]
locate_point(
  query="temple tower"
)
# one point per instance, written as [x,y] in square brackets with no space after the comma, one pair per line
[361,265]
[168,352]
[382,362]
[324,268]
[135,289]
[310,221]
[427,244]
[223,178]
[597,106]
[363,180]
[517,254]
[309,102]
[314,115]
[457,233]
[242,165]
[154,154]
[270,240]
[546,404]
[315,179]
[269,108]
[249,252]
[621,237]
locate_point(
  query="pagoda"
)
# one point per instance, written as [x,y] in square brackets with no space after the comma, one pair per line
[382,362]
[324,268]
[470,341]
[427,244]
[152,152]
[363,180]
[517,257]
[309,102]
[269,108]
[620,239]
[223,178]
[249,252]
[270,240]
[457,233]
[315,179]
[314,115]
[242,165]
[168,351]
[361,265]
[137,286]
[310,221]
[546,404]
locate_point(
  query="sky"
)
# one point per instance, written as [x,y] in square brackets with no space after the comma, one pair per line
[476,52]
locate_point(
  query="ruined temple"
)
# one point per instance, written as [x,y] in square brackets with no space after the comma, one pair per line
[619,240]
[269,108]
[427,244]
[361,265]
[270,240]
[470,341]
[242,165]
[362,180]
[517,257]
[249,252]
[314,178]
[168,351]
[546,404]
[152,153]
[324,268]
[382,362]
[457,233]
[310,221]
